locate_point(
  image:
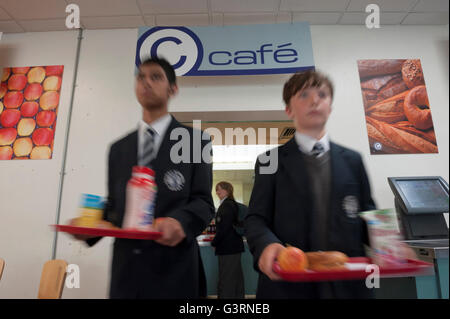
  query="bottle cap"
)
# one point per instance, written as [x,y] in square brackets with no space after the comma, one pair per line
[92,201]
[143,170]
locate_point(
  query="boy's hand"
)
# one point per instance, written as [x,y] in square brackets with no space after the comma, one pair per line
[267,258]
[172,231]
[407,252]
[73,222]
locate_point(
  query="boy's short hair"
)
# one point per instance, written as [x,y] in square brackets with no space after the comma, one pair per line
[303,80]
[166,66]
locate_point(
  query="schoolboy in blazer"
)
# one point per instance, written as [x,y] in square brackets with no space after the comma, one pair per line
[171,266]
[312,200]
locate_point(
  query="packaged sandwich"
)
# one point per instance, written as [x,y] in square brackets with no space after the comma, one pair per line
[386,247]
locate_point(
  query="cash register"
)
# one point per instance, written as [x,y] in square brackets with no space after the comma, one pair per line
[421,203]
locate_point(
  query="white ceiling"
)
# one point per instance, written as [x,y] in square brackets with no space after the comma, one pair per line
[49,15]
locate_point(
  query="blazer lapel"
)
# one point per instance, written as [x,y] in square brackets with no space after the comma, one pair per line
[163,155]
[338,167]
[130,155]
[291,158]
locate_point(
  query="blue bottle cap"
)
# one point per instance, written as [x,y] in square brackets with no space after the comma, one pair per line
[92,201]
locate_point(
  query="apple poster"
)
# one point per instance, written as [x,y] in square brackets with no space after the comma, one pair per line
[29,99]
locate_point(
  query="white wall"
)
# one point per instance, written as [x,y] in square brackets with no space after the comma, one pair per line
[105,108]
[29,189]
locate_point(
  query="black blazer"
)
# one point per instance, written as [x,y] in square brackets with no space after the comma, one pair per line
[144,268]
[281,207]
[227,241]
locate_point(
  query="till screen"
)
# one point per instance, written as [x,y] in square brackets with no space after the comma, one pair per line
[424,193]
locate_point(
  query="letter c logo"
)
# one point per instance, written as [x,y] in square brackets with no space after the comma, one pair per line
[154,49]
[179,45]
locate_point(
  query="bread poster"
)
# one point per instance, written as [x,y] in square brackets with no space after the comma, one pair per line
[397,109]
[29,99]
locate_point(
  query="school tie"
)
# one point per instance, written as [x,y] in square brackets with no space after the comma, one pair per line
[317,149]
[149,146]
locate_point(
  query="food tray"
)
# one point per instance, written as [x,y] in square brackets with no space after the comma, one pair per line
[357,270]
[108,232]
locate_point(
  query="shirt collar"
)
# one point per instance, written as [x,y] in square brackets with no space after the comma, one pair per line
[306,142]
[159,126]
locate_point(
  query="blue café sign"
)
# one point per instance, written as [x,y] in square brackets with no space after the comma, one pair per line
[229,50]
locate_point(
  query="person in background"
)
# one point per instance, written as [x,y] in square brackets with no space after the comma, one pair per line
[229,245]
[170,267]
[312,200]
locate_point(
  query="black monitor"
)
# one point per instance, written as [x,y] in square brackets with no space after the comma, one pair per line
[420,203]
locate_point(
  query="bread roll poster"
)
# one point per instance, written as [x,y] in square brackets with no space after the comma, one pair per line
[29,99]
[398,113]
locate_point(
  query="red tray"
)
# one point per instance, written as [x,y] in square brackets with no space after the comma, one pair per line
[118,233]
[357,270]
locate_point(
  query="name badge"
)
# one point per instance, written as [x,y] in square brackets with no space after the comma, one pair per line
[174,180]
[350,205]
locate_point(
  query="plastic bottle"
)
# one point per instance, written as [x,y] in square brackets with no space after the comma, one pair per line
[140,199]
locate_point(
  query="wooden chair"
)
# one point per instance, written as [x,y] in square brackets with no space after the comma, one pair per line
[52,279]
[2,266]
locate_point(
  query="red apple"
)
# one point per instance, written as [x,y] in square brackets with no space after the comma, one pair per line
[20,70]
[6,73]
[17,82]
[292,259]
[45,118]
[13,99]
[49,100]
[3,89]
[33,92]
[29,109]
[6,152]
[41,152]
[7,135]
[9,118]
[26,126]
[52,83]
[36,75]
[42,136]
[22,146]
[54,70]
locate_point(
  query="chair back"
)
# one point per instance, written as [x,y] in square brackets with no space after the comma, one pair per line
[52,279]
[2,266]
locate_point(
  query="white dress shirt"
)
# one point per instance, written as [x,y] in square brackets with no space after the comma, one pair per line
[306,143]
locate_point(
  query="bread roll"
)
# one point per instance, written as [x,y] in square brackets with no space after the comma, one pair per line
[403,140]
[428,135]
[412,73]
[381,88]
[389,110]
[420,118]
[379,67]
[326,260]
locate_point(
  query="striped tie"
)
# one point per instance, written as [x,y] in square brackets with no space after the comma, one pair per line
[149,146]
[317,149]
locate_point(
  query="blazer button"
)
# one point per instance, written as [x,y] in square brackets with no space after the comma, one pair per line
[137,251]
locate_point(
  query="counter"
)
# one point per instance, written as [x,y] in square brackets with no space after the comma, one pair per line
[432,286]
[211,266]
